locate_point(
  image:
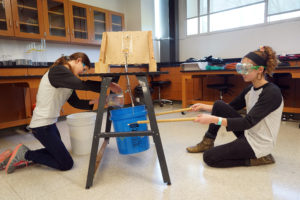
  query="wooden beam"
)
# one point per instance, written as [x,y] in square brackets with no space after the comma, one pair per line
[100,153]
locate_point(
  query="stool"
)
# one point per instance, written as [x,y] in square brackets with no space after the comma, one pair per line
[159,85]
[223,88]
[276,80]
[281,76]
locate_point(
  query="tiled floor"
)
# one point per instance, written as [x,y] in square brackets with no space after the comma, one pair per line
[138,176]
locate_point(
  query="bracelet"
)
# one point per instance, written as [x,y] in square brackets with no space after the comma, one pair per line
[220,121]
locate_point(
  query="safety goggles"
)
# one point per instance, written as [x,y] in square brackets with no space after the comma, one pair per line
[246,68]
[84,68]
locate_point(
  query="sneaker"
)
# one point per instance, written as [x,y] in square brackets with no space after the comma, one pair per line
[17,158]
[205,144]
[4,157]
[265,160]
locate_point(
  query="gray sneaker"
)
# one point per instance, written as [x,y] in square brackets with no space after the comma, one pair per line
[17,158]
[4,158]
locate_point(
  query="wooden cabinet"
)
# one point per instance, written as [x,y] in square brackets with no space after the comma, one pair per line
[6,21]
[80,22]
[56,20]
[87,23]
[116,21]
[28,19]
[99,24]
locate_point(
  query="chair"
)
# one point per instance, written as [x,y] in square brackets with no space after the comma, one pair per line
[160,85]
[222,88]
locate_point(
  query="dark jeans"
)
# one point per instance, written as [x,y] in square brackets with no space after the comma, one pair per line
[54,154]
[236,153]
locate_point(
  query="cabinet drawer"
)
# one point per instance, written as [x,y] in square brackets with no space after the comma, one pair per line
[37,71]
[13,72]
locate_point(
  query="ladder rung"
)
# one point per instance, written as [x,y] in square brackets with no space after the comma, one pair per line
[125,134]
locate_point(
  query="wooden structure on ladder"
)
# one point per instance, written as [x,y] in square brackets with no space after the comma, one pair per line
[138,46]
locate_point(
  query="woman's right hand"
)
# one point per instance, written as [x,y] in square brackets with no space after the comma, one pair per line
[115,88]
[93,101]
[197,107]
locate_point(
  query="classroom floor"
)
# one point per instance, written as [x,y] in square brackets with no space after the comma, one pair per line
[138,176]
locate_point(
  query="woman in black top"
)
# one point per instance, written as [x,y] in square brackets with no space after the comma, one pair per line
[256,132]
[57,86]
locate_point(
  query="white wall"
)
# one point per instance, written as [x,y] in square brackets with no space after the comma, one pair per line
[283,37]
[147,16]
[148,24]
[132,15]
[16,49]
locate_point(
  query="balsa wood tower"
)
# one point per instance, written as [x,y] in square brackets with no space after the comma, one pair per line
[135,46]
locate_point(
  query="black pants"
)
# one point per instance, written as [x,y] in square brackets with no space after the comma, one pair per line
[236,153]
[54,154]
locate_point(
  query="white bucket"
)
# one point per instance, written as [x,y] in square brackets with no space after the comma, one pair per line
[81,126]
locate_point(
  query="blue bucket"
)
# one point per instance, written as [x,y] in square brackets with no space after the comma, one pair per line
[121,118]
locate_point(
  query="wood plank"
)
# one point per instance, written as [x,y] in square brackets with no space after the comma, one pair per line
[37,71]
[28,103]
[14,123]
[100,154]
[291,110]
[27,7]
[56,13]
[13,71]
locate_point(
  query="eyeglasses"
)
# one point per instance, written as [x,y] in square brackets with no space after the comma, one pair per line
[246,68]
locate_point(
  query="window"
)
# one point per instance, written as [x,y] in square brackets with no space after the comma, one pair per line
[238,17]
[192,17]
[192,26]
[282,9]
[214,15]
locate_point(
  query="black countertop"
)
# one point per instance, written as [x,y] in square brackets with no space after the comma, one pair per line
[118,74]
[21,77]
[282,59]
[92,65]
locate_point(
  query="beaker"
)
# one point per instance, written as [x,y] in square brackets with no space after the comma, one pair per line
[43,53]
[33,53]
[115,100]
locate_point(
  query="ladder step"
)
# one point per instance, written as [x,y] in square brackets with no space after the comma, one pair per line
[125,134]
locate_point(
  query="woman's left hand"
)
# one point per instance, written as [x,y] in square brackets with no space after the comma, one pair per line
[115,88]
[205,119]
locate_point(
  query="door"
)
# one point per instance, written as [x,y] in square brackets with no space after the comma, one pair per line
[28,19]
[6,23]
[56,20]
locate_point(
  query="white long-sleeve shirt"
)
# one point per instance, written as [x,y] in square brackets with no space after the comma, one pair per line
[56,87]
[262,122]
